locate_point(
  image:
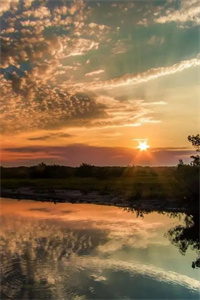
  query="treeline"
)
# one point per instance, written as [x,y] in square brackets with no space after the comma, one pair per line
[42,171]
[180,182]
[187,177]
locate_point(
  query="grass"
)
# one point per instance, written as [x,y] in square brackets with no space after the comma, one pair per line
[146,185]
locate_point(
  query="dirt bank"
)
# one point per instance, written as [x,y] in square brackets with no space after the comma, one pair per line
[76,196]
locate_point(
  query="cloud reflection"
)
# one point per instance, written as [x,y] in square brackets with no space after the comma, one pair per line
[66,248]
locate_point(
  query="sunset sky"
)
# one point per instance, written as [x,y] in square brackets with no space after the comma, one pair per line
[86,81]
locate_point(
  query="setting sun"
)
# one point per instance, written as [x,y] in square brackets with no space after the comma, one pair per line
[143,146]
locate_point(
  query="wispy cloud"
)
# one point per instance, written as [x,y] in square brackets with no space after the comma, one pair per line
[49,136]
[123,113]
[120,47]
[94,73]
[131,79]
[189,12]
[75,154]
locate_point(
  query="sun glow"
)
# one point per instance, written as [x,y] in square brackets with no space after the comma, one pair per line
[143,146]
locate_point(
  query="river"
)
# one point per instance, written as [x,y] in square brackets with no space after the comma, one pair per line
[85,251]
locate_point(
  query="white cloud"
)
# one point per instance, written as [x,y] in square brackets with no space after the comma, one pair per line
[156,103]
[94,72]
[123,113]
[188,12]
[80,46]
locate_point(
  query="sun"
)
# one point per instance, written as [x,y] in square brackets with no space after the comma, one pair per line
[143,146]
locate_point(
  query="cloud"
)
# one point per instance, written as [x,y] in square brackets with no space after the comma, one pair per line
[169,149]
[81,46]
[6,5]
[155,40]
[27,3]
[94,72]
[32,107]
[143,22]
[49,136]
[75,154]
[35,104]
[34,43]
[39,138]
[40,13]
[132,79]
[123,113]
[120,47]
[189,11]
[42,209]
[156,103]
[39,50]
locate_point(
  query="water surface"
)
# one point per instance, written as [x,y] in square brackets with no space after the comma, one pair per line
[85,251]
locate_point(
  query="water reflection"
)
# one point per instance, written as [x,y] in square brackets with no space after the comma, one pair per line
[69,251]
[186,236]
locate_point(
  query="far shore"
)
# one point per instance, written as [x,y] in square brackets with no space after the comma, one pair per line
[95,197]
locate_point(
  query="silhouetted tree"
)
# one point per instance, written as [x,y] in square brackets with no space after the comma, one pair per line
[195,140]
[188,175]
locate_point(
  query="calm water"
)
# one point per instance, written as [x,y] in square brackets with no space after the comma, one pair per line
[83,251]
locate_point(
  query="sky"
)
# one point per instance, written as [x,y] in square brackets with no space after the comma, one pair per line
[86,81]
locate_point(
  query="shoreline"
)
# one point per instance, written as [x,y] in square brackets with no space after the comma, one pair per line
[78,197]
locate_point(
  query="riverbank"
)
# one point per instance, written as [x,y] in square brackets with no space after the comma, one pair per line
[95,197]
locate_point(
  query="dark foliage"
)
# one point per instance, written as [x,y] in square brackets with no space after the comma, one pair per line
[188,182]
[40,171]
[188,175]
[61,172]
[195,140]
